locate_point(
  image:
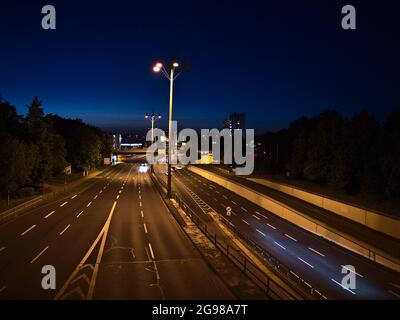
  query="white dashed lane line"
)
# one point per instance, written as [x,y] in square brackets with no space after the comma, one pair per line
[88,204]
[62,205]
[271,226]
[260,214]
[79,214]
[290,237]
[305,262]
[65,229]
[245,222]
[117,197]
[225,196]
[352,271]
[260,232]
[95,197]
[74,197]
[40,253]
[317,252]
[347,289]
[145,228]
[27,230]
[151,251]
[244,209]
[258,218]
[2,248]
[279,245]
[48,215]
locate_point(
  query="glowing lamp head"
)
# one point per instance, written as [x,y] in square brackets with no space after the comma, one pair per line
[175,64]
[156,69]
[159,65]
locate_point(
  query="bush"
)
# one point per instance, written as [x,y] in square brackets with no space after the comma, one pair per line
[25,192]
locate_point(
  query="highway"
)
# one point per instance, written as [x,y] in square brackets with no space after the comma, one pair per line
[113,240]
[310,257]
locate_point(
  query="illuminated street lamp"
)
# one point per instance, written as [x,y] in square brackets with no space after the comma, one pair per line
[171,77]
[152,118]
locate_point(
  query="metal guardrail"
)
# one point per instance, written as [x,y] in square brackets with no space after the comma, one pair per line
[262,280]
[5,215]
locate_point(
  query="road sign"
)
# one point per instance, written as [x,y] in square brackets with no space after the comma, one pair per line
[228,211]
[107,160]
[68,170]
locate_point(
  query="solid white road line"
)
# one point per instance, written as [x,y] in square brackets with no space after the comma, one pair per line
[310,265]
[27,230]
[352,271]
[48,215]
[79,214]
[290,237]
[245,222]
[40,253]
[279,245]
[151,251]
[271,226]
[317,252]
[65,229]
[145,228]
[89,204]
[343,286]
[262,233]
[74,197]
[64,204]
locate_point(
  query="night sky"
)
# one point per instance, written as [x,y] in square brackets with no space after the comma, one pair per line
[274,60]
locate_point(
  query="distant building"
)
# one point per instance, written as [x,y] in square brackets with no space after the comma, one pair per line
[236,121]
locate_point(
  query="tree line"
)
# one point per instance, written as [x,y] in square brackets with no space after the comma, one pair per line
[38,146]
[354,156]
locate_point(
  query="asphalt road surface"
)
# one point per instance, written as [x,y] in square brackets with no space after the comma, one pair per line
[310,257]
[113,240]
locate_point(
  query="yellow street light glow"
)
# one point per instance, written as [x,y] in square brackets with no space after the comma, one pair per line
[156,69]
[175,64]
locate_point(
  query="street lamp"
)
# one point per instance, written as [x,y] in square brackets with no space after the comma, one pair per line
[171,77]
[152,118]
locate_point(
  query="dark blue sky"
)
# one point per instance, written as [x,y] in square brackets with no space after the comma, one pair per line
[274,60]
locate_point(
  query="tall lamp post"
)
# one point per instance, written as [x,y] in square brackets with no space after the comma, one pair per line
[171,77]
[152,117]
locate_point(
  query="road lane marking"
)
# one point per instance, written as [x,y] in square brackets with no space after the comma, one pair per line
[260,214]
[215,199]
[244,209]
[279,245]
[290,237]
[74,197]
[245,222]
[40,253]
[27,230]
[262,233]
[2,289]
[100,191]
[79,214]
[216,191]
[352,271]
[233,202]
[395,285]
[310,265]
[343,286]
[88,204]
[258,218]
[225,196]
[140,203]
[394,293]
[141,212]
[64,204]
[2,248]
[140,197]
[65,229]
[145,228]
[95,197]
[117,197]
[271,226]
[317,252]
[48,215]
[151,251]
[119,191]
